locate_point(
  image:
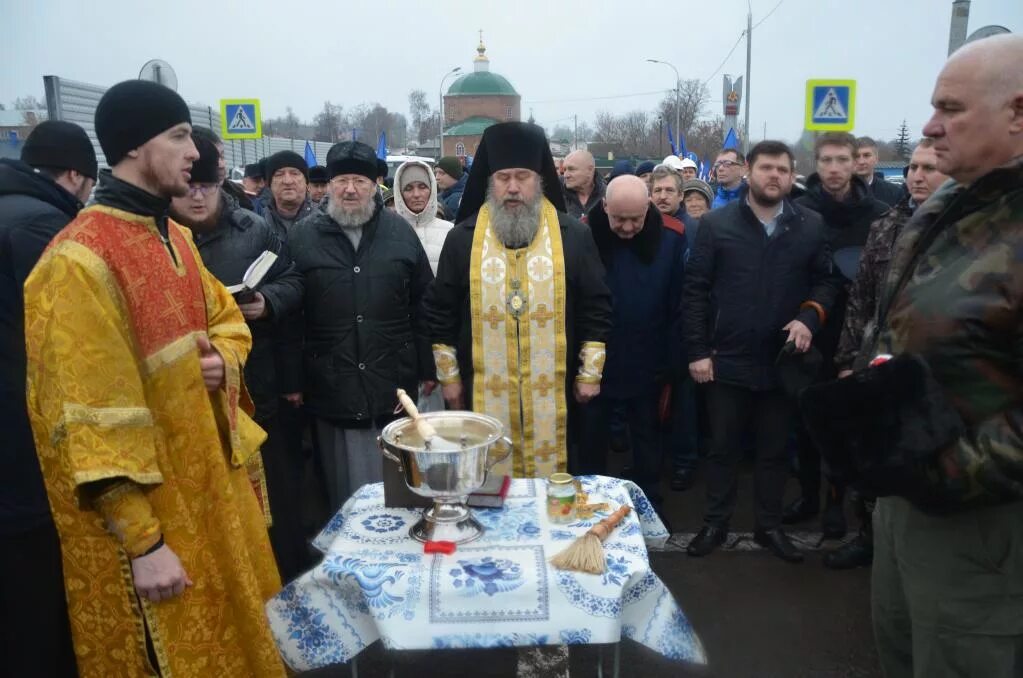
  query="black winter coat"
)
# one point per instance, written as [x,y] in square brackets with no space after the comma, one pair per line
[238,239]
[363,334]
[282,226]
[575,208]
[885,191]
[645,276]
[847,225]
[742,288]
[33,209]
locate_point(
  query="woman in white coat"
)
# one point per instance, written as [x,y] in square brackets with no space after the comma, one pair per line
[415,198]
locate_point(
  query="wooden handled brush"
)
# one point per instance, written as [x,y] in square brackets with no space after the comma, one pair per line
[425,428]
[586,554]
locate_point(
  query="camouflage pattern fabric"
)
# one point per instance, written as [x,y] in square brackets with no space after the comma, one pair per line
[954,295]
[861,308]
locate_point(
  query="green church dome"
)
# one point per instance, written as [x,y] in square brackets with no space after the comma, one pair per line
[484,82]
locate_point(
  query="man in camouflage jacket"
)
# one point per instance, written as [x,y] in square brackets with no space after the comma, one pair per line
[922,180]
[947,589]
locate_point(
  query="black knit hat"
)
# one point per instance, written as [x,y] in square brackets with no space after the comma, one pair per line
[283,159]
[61,145]
[352,157]
[254,170]
[382,169]
[205,169]
[318,175]
[452,166]
[508,145]
[133,112]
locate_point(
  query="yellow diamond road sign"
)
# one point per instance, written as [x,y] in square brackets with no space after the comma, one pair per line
[239,119]
[830,105]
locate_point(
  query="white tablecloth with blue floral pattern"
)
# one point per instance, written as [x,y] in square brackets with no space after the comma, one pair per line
[499,591]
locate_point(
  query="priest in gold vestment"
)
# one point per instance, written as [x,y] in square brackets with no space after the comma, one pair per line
[518,313]
[140,419]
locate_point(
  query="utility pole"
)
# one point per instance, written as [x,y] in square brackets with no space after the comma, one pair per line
[678,105]
[749,56]
[575,133]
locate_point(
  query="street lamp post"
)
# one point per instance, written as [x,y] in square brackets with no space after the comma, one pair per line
[440,97]
[678,89]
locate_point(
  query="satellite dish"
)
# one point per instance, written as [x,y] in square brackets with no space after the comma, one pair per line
[159,71]
[987,32]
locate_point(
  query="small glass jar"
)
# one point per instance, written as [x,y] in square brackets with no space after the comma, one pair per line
[561,498]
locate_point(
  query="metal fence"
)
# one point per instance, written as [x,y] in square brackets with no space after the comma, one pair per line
[76,102]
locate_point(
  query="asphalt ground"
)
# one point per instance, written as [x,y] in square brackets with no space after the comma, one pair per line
[758,617]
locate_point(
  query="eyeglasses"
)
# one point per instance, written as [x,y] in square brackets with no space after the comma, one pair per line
[202,189]
[357,182]
[727,163]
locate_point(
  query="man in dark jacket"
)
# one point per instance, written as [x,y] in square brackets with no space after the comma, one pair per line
[39,195]
[583,185]
[451,178]
[848,209]
[254,184]
[229,239]
[759,276]
[645,265]
[287,176]
[365,274]
[866,162]
[236,192]
[922,179]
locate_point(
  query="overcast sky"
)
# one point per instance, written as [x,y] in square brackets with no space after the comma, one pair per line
[301,53]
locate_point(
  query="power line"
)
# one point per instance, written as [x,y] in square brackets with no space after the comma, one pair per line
[660,91]
[741,36]
[768,15]
[612,96]
[725,60]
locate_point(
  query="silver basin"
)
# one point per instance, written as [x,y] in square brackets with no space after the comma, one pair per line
[446,476]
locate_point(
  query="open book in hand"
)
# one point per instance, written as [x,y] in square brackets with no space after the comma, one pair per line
[253,278]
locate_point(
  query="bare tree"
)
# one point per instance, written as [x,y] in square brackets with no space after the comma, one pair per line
[287,125]
[29,103]
[561,132]
[329,122]
[584,132]
[429,128]
[420,113]
[706,137]
[693,99]
[634,132]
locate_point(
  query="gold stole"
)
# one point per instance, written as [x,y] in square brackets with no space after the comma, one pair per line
[517,303]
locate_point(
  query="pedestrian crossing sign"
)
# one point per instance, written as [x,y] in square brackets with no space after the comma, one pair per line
[830,105]
[239,119]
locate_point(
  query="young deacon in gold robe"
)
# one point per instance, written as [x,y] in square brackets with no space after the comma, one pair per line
[519,312]
[141,423]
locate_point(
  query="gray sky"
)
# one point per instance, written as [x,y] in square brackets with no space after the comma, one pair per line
[301,53]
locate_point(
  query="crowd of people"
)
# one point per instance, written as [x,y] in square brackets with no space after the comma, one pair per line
[159,428]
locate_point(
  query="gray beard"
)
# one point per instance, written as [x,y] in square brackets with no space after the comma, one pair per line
[515,228]
[351,218]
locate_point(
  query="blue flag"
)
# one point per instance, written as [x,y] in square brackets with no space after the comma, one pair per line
[310,157]
[671,140]
[382,146]
[731,139]
[682,146]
